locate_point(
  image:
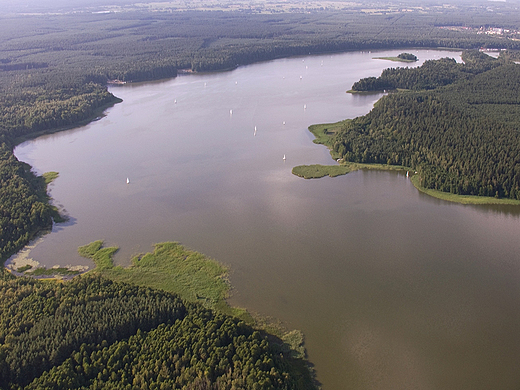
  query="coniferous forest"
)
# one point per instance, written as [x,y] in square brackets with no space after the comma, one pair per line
[457,125]
[94,333]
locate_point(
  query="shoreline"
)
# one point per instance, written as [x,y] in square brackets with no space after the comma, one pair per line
[96,115]
[323,133]
[395,59]
[194,277]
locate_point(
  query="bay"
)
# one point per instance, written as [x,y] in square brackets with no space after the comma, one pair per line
[393,289]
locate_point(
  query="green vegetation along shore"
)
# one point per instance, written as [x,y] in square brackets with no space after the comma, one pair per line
[403,57]
[170,267]
[95,333]
[53,76]
[456,129]
[195,278]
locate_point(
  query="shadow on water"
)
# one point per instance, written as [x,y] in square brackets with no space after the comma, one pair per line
[59,226]
[495,209]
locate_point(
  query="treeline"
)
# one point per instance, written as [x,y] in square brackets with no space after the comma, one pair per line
[462,138]
[138,46]
[408,57]
[91,333]
[42,109]
[432,74]
[94,333]
[22,66]
[24,208]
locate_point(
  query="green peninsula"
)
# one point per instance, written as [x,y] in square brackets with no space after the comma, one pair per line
[456,128]
[170,267]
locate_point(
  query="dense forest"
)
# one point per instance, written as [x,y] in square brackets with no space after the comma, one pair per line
[432,74]
[54,66]
[24,206]
[459,130]
[94,333]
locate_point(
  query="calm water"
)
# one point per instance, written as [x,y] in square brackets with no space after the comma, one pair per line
[393,289]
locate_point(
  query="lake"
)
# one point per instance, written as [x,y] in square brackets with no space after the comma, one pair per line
[393,289]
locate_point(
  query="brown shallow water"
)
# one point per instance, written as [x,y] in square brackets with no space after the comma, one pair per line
[393,289]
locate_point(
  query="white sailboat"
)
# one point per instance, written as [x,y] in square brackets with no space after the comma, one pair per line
[255,132]
[127,180]
[284,157]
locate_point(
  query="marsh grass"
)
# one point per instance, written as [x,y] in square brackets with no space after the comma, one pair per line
[49,177]
[324,132]
[317,171]
[396,59]
[464,199]
[24,268]
[46,179]
[52,272]
[170,267]
[102,257]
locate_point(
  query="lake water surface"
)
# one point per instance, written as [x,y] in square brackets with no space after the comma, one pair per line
[393,289]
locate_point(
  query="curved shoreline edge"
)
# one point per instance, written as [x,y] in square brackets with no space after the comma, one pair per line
[98,113]
[324,132]
[196,278]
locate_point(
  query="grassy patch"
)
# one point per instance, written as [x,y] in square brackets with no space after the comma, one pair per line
[170,267]
[397,59]
[61,271]
[46,179]
[26,267]
[464,199]
[102,257]
[377,167]
[316,171]
[364,92]
[324,132]
[49,177]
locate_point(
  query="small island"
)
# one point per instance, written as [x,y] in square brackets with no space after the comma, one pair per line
[403,57]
